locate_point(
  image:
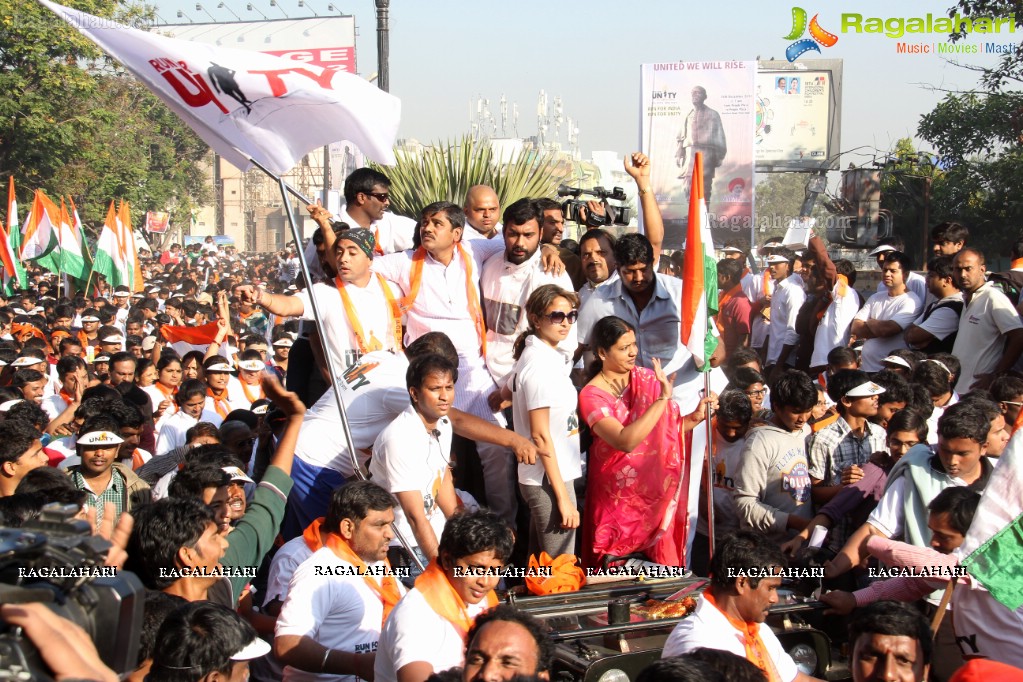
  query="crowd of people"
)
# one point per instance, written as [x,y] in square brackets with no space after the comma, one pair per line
[509,393]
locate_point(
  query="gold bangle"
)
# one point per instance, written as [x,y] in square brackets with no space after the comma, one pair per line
[646,190]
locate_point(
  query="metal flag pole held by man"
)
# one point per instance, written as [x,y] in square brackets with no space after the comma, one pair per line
[259,110]
[321,332]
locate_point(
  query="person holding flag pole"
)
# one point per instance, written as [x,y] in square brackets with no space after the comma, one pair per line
[699,303]
[313,107]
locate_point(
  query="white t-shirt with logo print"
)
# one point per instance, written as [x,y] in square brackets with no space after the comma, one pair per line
[540,379]
[407,457]
[341,612]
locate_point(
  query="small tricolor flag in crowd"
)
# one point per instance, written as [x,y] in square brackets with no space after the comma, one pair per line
[186,339]
[699,276]
[65,255]
[39,234]
[14,273]
[250,105]
[993,546]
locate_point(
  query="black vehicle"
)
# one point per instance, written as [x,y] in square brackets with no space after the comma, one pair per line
[610,632]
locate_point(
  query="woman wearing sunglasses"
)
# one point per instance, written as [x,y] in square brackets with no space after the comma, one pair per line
[544,408]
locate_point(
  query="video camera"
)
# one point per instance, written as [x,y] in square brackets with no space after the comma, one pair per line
[56,560]
[619,214]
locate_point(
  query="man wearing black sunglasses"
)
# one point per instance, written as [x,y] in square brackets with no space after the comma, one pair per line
[367,198]
[508,279]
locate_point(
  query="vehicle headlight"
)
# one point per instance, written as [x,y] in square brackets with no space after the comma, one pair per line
[804,657]
[614,675]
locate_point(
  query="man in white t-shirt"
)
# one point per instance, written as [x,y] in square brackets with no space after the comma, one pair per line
[885,316]
[990,338]
[915,282]
[936,329]
[339,598]
[426,632]
[412,456]
[507,281]
[735,598]
[374,393]
[358,309]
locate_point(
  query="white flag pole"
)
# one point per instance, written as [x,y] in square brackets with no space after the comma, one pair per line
[318,320]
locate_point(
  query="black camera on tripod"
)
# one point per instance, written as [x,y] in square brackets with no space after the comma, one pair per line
[56,560]
[614,214]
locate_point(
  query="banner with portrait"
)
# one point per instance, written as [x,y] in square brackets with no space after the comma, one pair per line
[707,107]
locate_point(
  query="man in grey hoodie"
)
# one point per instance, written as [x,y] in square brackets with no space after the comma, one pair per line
[772,483]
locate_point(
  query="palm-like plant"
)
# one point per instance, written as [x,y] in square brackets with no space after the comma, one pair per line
[445,172]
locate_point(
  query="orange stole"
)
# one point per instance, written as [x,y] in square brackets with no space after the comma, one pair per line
[312,537]
[443,599]
[756,650]
[471,293]
[387,589]
[217,400]
[353,317]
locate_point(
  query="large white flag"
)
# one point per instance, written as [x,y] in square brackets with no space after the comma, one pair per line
[249,105]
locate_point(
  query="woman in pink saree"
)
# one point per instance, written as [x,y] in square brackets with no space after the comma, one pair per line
[637,480]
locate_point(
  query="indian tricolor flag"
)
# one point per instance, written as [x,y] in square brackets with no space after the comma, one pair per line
[993,546]
[699,276]
[39,234]
[109,260]
[66,258]
[14,274]
[126,238]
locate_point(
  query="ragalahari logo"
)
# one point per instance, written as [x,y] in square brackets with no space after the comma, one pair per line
[818,36]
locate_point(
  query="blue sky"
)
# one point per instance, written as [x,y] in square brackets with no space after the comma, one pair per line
[446,52]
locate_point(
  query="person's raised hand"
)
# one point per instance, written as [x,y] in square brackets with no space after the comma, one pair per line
[666,382]
[284,400]
[638,166]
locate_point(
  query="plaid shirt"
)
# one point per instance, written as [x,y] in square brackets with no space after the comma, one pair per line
[836,447]
[115,493]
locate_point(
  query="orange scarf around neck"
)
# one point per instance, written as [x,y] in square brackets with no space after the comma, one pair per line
[312,537]
[756,650]
[387,590]
[471,293]
[356,325]
[442,598]
[1017,264]
[219,402]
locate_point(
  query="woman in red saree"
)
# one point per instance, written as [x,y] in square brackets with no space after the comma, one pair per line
[636,473]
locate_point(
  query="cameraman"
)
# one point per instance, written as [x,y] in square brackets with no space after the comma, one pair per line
[596,246]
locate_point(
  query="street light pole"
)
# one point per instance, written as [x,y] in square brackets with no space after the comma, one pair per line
[383,46]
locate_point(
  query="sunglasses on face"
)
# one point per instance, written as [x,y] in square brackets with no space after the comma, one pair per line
[382,197]
[558,316]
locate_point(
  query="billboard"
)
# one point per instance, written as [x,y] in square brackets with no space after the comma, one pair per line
[324,41]
[798,115]
[709,107]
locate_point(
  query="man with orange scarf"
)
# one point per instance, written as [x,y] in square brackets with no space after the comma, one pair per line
[730,613]
[340,597]
[426,631]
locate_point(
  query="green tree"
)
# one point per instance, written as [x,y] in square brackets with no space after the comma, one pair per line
[977,136]
[72,122]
